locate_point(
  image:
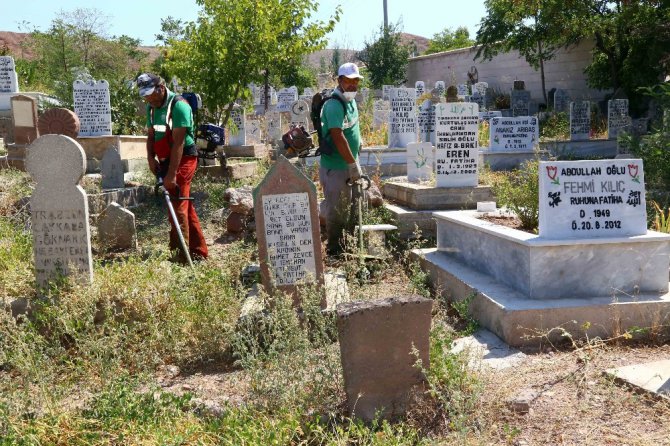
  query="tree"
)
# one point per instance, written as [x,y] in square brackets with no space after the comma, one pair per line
[531,27]
[386,57]
[235,43]
[335,61]
[450,40]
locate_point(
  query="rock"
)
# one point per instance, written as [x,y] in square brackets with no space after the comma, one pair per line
[241,200]
[220,215]
[235,223]
[375,198]
[521,403]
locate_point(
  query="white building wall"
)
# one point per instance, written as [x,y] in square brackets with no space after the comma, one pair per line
[565,71]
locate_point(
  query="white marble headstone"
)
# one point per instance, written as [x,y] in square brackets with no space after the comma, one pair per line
[617,117]
[59,210]
[462,90]
[380,113]
[426,122]
[237,129]
[456,144]
[9,82]
[440,87]
[403,123]
[274,129]
[487,115]
[300,114]
[580,120]
[589,199]
[478,99]
[111,168]
[285,98]
[92,106]
[420,160]
[481,88]
[253,129]
[386,92]
[514,134]
[420,87]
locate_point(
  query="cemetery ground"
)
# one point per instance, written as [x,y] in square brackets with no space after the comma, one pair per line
[155,353]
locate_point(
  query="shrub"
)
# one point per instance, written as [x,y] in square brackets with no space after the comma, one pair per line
[519,191]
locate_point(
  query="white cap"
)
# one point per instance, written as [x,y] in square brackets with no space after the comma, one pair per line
[349,70]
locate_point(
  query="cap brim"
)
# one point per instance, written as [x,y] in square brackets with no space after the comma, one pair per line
[353,76]
[146,91]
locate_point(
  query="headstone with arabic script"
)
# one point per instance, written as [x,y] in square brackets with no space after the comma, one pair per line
[580,120]
[456,144]
[403,123]
[9,82]
[92,106]
[514,134]
[618,120]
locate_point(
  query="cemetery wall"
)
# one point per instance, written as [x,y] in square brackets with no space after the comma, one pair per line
[565,71]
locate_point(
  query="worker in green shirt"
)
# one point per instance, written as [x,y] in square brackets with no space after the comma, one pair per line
[339,120]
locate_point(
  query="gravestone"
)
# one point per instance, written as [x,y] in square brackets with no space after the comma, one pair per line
[238,134]
[520,101]
[9,82]
[300,114]
[308,91]
[253,129]
[589,199]
[580,120]
[462,90]
[514,134]
[58,121]
[441,88]
[481,88]
[112,169]
[285,98]
[452,94]
[379,344]
[116,228]
[380,113]
[272,93]
[456,144]
[478,99]
[92,106]
[386,92]
[420,160]
[274,129]
[420,87]
[59,210]
[287,229]
[618,120]
[24,117]
[561,101]
[487,115]
[363,95]
[426,122]
[402,118]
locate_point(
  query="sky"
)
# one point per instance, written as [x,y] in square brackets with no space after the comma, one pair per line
[358,23]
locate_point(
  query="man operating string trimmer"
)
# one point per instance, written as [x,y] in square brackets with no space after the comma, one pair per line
[172,157]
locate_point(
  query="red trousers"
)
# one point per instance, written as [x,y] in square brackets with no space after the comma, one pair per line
[186,216]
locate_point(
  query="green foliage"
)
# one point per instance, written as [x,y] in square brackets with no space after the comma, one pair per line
[661,218]
[450,40]
[302,75]
[233,44]
[519,191]
[556,126]
[462,308]
[386,57]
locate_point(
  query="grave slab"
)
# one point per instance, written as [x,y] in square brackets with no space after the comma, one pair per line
[520,321]
[581,149]
[408,221]
[485,349]
[500,160]
[377,341]
[233,171]
[652,377]
[425,197]
[259,151]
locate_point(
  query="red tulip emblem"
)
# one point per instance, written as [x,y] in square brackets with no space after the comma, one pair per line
[552,172]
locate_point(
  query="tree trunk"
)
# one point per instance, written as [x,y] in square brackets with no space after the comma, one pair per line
[544,87]
[266,89]
[229,108]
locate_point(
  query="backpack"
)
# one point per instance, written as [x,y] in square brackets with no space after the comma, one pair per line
[318,101]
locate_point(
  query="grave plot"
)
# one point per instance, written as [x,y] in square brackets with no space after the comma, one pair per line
[593,269]
[512,141]
[242,142]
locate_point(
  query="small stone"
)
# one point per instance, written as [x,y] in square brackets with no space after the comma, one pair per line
[522,402]
[235,223]
[375,198]
[240,200]
[172,371]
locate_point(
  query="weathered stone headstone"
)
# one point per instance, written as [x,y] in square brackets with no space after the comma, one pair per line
[112,169]
[59,210]
[380,113]
[386,92]
[274,129]
[92,106]
[300,114]
[561,100]
[420,160]
[487,115]
[426,122]
[253,129]
[617,117]
[9,82]
[403,121]
[462,90]
[58,121]
[238,134]
[362,95]
[420,87]
[580,120]
[520,102]
[452,94]
[24,116]
[481,88]
[379,343]
[287,229]
[478,99]
[285,98]
[116,228]
[514,134]
[440,87]
[588,199]
[456,144]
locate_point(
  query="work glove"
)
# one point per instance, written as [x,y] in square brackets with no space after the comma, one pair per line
[355,172]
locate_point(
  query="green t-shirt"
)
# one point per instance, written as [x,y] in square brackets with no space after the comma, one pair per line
[182,116]
[333,116]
